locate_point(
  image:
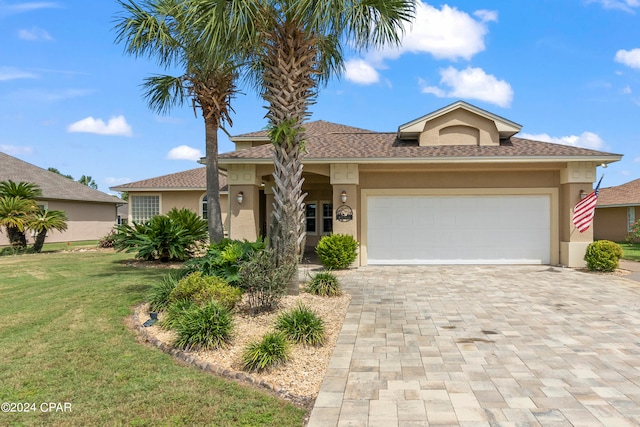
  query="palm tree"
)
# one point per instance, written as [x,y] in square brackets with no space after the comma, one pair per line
[88,181]
[297,47]
[44,221]
[165,30]
[17,205]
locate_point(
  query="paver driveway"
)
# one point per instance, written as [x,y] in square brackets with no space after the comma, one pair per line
[484,345]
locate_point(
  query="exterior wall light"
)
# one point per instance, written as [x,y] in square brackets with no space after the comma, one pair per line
[583,194]
[343,196]
[240,197]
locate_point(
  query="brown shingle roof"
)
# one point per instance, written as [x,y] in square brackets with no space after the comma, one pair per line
[193,179]
[330,141]
[317,127]
[622,195]
[53,185]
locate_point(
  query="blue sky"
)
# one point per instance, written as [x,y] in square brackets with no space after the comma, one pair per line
[568,71]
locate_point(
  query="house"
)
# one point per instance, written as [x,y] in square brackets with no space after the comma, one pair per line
[453,186]
[159,195]
[617,210]
[91,213]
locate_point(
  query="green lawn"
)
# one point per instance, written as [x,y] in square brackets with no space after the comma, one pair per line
[63,340]
[631,251]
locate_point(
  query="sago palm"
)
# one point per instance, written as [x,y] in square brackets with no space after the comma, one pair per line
[166,31]
[15,215]
[44,221]
[297,46]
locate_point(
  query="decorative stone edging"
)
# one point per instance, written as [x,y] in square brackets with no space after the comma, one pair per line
[194,360]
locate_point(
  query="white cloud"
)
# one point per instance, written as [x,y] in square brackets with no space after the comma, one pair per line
[8,9]
[12,73]
[34,34]
[626,5]
[15,150]
[472,83]
[585,140]
[40,95]
[360,72]
[115,126]
[630,58]
[184,152]
[626,90]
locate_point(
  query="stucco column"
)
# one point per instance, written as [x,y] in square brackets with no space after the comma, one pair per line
[244,217]
[576,177]
[346,178]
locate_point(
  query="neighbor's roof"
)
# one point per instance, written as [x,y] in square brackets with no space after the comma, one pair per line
[193,179]
[622,195]
[54,186]
[345,144]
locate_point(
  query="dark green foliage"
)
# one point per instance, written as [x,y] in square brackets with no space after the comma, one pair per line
[204,327]
[159,294]
[337,251]
[270,352]
[324,284]
[165,237]
[301,325]
[603,255]
[223,259]
[201,289]
[263,281]
[175,310]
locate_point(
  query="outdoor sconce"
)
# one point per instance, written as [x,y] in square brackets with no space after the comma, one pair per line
[240,197]
[583,194]
[343,196]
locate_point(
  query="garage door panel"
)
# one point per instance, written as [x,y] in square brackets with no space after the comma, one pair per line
[461,229]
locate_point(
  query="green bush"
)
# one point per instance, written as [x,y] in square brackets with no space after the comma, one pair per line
[270,352]
[301,325]
[166,237]
[205,327]
[174,311]
[159,294]
[108,241]
[264,281]
[324,284]
[603,255]
[337,251]
[201,289]
[223,259]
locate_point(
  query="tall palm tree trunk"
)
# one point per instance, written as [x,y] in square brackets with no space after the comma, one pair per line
[288,84]
[214,213]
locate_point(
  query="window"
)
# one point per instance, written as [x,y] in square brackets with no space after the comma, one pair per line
[327,218]
[631,217]
[311,216]
[205,208]
[144,207]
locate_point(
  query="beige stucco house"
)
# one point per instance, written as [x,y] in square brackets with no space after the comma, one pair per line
[157,196]
[617,210]
[91,213]
[453,186]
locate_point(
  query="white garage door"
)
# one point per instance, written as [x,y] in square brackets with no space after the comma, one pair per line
[458,229]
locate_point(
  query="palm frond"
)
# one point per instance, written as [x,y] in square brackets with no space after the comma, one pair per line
[163,91]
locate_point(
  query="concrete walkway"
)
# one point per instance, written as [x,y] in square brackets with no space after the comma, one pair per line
[484,346]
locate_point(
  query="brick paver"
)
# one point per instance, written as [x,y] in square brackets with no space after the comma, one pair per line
[484,346]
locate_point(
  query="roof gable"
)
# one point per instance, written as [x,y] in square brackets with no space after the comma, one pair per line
[622,195]
[53,185]
[193,179]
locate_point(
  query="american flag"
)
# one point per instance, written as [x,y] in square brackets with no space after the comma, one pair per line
[584,210]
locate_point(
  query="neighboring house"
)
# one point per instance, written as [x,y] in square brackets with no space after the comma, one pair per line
[617,209]
[159,195]
[91,213]
[453,186]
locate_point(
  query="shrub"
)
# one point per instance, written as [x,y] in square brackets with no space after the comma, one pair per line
[107,241]
[337,251]
[175,310]
[635,232]
[603,255]
[201,289]
[223,259]
[263,281]
[271,351]
[301,325]
[324,284]
[204,327]
[164,237]
[159,294]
